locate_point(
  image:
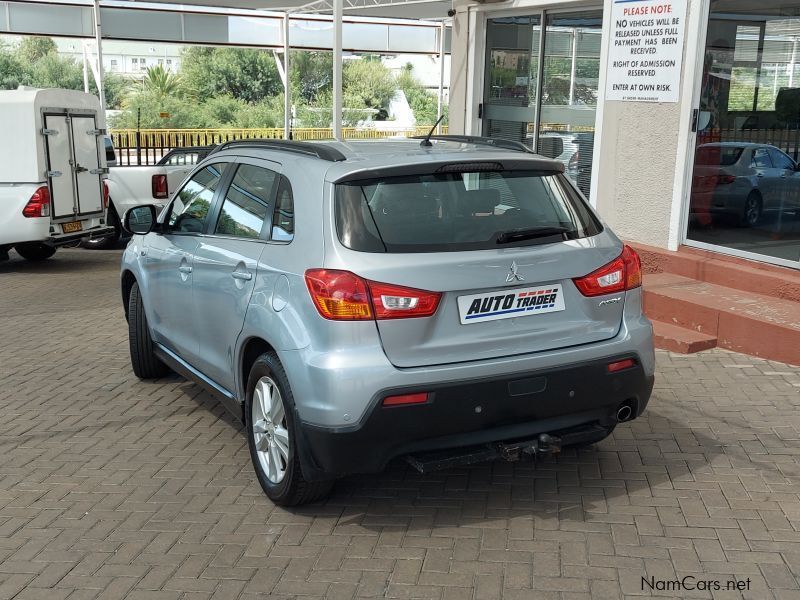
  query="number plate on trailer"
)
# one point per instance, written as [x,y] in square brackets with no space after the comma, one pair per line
[72,227]
[506,304]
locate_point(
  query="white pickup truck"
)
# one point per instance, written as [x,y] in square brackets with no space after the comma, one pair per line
[131,186]
[52,171]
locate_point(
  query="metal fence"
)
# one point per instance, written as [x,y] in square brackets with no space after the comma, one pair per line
[786,139]
[147,146]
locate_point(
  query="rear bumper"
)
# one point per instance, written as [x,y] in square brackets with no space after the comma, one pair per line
[572,398]
[66,238]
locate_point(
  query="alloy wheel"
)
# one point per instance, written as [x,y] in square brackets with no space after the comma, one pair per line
[270,431]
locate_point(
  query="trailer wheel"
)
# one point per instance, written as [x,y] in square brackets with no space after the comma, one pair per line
[35,251]
[145,363]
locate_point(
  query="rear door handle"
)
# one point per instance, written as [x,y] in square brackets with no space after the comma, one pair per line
[243,275]
[185,269]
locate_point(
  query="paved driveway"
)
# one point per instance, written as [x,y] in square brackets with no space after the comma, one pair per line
[112,488]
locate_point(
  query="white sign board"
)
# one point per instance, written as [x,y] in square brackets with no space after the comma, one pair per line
[646,51]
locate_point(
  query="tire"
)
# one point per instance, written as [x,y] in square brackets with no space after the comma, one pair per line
[110,241]
[271,436]
[35,251]
[752,210]
[145,363]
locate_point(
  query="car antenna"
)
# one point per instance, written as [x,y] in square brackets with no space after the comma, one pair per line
[426,141]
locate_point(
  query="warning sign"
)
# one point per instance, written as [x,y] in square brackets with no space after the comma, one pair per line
[646,51]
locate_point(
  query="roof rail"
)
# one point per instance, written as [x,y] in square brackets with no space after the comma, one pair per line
[323,151]
[483,141]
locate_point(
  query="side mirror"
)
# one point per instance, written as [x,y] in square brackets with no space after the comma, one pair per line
[140,220]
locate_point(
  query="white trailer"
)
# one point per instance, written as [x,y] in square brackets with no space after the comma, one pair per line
[52,170]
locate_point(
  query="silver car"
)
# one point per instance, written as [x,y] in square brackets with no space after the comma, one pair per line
[448,300]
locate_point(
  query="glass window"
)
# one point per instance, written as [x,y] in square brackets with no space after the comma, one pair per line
[247,202]
[460,211]
[745,193]
[283,217]
[568,89]
[190,208]
[761,159]
[780,160]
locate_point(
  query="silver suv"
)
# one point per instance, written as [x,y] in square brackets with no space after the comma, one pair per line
[447,300]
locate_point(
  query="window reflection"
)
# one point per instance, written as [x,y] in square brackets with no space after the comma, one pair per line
[745,184]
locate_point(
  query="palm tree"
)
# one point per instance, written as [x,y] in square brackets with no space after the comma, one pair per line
[161,82]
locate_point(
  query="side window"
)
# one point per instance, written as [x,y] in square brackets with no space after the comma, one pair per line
[780,160]
[761,159]
[189,210]
[247,202]
[283,217]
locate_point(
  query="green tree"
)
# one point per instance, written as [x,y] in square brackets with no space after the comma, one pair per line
[243,73]
[310,74]
[12,72]
[180,114]
[422,102]
[34,48]
[161,82]
[368,82]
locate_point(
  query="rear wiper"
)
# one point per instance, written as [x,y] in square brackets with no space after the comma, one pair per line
[516,235]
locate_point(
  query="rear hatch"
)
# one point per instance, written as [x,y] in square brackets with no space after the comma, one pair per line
[502,248]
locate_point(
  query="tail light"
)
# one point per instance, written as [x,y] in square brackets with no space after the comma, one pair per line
[621,274]
[39,204]
[105,194]
[725,179]
[344,296]
[159,185]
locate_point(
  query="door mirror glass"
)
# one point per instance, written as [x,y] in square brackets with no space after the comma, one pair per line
[140,219]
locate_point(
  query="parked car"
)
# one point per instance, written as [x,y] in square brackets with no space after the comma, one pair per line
[357,302]
[131,186]
[52,171]
[744,181]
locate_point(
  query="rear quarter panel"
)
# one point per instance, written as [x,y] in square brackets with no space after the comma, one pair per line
[14,227]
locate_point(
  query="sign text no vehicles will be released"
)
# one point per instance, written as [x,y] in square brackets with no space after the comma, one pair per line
[646,50]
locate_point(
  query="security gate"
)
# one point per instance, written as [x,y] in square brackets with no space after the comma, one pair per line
[74,168]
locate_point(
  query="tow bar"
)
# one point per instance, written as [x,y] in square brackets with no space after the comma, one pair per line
[437,460]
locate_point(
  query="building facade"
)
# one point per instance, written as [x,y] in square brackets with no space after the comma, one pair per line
[679,119]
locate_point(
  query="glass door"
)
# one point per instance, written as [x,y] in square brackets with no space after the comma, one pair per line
[511,82]
[542,90]
[745,194]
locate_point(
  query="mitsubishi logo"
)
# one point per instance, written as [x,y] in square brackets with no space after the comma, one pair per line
[513,275]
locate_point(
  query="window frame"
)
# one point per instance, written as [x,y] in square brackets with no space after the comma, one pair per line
[214,212]
[778,152]
[224,180]
[282,179]
[765,150]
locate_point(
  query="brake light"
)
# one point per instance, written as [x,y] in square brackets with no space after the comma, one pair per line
[159,185]
[105,194]
[621,274]
[344,296]
[339,295]
[39,204]
[405,399]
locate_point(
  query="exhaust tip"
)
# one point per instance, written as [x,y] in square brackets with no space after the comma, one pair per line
[624,413]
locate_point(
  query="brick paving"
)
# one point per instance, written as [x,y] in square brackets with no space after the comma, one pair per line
[115,488]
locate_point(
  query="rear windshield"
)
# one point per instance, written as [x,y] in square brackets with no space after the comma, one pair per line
[722,156]
[447,212]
